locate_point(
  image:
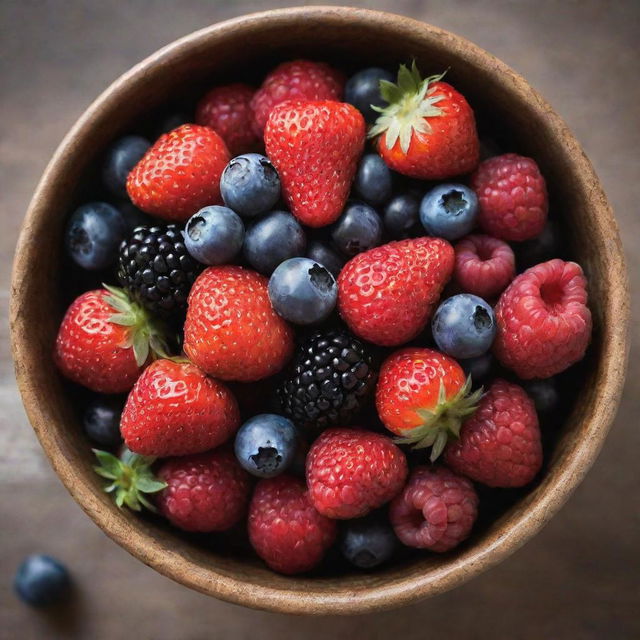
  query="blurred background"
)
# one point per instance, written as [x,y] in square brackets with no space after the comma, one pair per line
[577,579]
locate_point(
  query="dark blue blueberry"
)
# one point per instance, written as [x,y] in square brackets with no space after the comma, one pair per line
[363,90]
[449,211]
[41,581]
[464,326]
[368,542]
[303,291]
[544,247]
[266,445]
[173,121]
[401,215]
[123,155]
[272,240]
[544,394]
[480,368]
[326,256]
[133,217]
[93,236]
[250,184]
[214,235]
[373,179]
[358,229]
[101,421]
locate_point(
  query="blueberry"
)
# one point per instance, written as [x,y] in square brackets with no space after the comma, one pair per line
[449,211]
[363,90]
[172,121]
[544,394]
[368,542]
[326,256]
[539,249]
[464,326]
[40,580]
[250,184]
[302,291]
[479,368]
[123,155]
[133,217]
[359,228]
[266,445]
[93,236]
[272,240]
[401,215]
[373,179]
[101,421]
[214,235]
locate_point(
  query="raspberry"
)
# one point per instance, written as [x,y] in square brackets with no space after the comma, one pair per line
[512,196]
[436,510]
[500,444]
[484,266]
[285,529]
[544,324]
[350,472]
[227,110]
[205,492]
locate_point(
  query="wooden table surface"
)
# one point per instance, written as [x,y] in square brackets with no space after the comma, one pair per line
[577,579]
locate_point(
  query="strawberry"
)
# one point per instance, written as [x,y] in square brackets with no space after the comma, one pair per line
[387,294]
[180,173]
[295,80]
[315,146]
[174,409]
[231,330]
[423,396]
[428,130]
[105,341]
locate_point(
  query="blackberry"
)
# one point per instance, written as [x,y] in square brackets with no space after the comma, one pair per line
[156,269]
[331,380]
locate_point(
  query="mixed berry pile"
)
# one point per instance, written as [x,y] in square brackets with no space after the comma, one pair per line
[324,319]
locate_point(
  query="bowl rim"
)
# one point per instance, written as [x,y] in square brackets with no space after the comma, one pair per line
[345,601]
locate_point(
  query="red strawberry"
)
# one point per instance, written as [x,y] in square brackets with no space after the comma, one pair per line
[205,492]
[227,110]
[180,173]
[436,510]
[105,339]
[386,295]
[285,529]
[544,324]
[350,472]
[315,146]
[500,444]
[231,330]
[422,395]
[428,130]
[174,409]
[295,80]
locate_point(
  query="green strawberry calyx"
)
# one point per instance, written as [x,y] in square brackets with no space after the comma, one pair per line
[130,478]
[146,334]
[442,423]
[411,101]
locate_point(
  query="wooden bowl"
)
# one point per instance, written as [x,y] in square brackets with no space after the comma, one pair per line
[350,37]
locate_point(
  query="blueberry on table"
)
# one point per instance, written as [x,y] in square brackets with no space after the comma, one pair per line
[373,179]
[449,211]
[93,235]
[266,445]
[358,229]
[368,542]
[464,326]
[401,215]
[101,420]
[363,90]
[326,256]
[41,581]
[544,394]
[272,240]
[123,155]
[302,291]
[214,235]
[250,184]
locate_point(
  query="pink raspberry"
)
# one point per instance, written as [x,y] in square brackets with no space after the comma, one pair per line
[512,197]
[436,510]
[544,324]
[484,265]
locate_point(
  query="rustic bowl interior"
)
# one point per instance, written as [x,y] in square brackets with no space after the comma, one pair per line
[509,113]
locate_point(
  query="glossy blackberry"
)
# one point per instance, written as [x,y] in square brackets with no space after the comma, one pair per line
[331,380]
[156,269]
